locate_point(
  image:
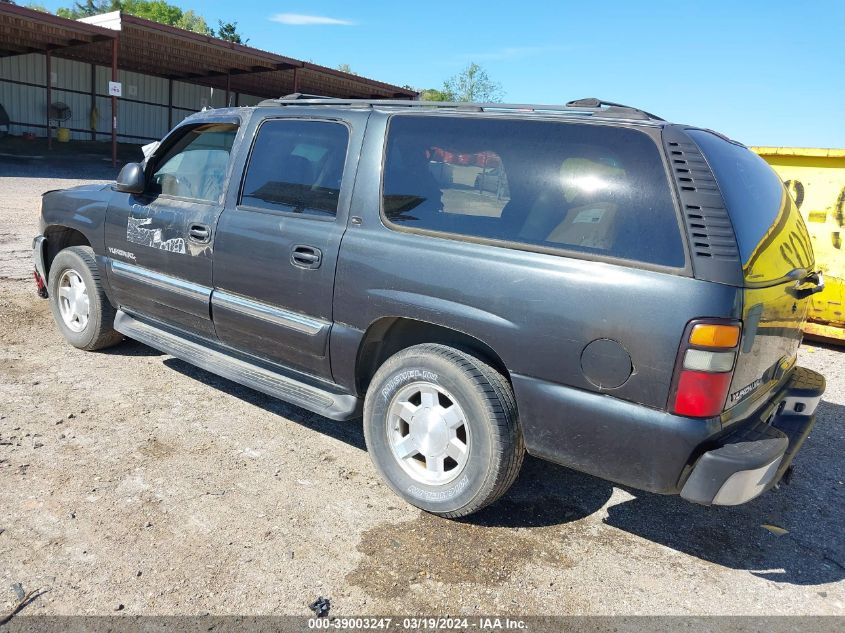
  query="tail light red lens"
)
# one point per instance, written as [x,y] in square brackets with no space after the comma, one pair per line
[704,368]
[700,394]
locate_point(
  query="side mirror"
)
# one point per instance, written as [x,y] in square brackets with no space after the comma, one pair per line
[131,179]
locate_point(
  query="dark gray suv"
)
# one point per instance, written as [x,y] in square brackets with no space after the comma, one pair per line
[625,298]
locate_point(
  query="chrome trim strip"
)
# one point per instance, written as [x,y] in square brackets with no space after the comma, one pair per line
[160,281]
[268,313]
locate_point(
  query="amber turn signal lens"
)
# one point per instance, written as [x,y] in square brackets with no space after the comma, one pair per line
[712,335]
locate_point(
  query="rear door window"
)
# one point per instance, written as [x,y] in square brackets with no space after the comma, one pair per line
[770,232]
[296,166]
[593,189]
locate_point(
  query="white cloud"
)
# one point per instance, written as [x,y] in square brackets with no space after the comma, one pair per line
[299,19]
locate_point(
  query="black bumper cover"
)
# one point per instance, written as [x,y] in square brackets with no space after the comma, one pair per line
[753,458]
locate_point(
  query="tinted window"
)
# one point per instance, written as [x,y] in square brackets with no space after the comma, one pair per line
[195,165]
[590,188]
[296,166]
[770,232]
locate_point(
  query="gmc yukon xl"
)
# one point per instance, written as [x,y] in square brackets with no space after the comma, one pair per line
[587,283]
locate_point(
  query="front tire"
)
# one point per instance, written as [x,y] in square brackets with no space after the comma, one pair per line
[441,428]
[79,305]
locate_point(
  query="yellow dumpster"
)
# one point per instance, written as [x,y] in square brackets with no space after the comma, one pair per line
[816,179]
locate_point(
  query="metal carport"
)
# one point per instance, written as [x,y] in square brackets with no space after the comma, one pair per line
[124,43]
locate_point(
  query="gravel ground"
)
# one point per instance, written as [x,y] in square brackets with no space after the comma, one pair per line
[132,481]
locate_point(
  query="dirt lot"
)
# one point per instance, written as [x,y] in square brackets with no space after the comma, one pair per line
[131,481]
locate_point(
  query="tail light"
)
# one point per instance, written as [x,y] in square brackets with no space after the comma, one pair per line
[704,368]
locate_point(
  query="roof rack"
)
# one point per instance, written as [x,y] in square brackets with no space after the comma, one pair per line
[299,96]
[589,106]
[592,102]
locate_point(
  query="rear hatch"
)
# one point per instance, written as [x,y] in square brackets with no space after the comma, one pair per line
[777,261]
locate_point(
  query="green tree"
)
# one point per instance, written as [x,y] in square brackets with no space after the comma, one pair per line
[86,9]
[158,11]
[191,21]
[229,31]
[433,94]
[346,68]
[35,6]
[473,84]
[164,13]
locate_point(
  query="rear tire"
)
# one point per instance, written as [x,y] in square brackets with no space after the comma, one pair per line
[441,428]
[79,305]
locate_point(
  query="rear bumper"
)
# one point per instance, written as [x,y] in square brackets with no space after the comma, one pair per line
[654,450]
[751,460]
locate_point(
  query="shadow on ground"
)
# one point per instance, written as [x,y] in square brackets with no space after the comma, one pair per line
[811,507]
[349,432]
[128,347]
[80,169]
[74,160]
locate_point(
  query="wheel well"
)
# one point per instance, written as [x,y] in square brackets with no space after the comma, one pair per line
[387,336]
[59,238]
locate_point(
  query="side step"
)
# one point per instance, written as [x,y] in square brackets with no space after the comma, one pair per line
[337,406]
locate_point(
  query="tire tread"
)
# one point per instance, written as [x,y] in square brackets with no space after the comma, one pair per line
[496,391]
[102,319]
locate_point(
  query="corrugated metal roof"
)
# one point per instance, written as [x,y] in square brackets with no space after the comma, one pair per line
[819,152]
[165,51]
[25,31]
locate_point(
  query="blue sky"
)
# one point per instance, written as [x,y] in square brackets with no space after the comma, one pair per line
[765,73]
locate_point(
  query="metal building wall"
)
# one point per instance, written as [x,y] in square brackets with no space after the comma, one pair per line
[142,111]
[26,100]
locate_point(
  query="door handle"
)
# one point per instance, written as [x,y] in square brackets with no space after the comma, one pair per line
[800,291]
[199,233]
[304,256]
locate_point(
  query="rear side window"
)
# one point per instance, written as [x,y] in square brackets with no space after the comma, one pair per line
[296,167]
[588,188]
[750,188]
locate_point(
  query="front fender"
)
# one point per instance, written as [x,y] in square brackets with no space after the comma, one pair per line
[82,209]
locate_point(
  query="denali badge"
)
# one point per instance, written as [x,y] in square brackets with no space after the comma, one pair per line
[736,396]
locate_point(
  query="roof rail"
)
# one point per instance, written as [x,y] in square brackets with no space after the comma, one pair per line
[592,102]
[591,106]
[298,96]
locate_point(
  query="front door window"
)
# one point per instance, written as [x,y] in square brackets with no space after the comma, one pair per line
[194,167]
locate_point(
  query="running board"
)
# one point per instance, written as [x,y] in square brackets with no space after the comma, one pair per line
[337,406]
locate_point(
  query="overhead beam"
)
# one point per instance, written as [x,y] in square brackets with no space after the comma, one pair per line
[52,43]
[254,70]
[21,50]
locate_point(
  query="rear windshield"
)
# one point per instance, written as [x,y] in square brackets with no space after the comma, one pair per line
[770,232]
[598,190]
